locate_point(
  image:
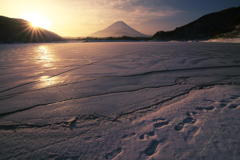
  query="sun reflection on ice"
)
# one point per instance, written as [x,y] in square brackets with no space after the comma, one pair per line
[46,81]
[45,57]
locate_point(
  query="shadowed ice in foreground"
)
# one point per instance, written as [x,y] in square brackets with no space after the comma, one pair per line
[120,101]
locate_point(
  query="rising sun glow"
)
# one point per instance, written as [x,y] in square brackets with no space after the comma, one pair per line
[37,20]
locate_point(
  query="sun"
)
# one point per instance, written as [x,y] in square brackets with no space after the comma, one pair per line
[37,20]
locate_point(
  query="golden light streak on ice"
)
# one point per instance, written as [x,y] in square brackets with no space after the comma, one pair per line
[45,56]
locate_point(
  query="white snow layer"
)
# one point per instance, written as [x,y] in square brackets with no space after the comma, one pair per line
[120,101]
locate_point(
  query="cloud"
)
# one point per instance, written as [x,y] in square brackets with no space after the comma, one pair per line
[153,5]
[147,16]
[132,7]
[137,13]
[140,10]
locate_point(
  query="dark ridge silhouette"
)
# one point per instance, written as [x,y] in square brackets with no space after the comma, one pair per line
[233,34]
[19,31]
[118,29]
[210,26]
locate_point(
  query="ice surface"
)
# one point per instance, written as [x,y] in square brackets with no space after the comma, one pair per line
[120,101]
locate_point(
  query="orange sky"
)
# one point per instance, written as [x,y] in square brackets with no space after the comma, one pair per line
[83,17]
[76,17]
[58,12]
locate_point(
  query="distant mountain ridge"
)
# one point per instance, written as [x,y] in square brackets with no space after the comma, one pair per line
[118,29]
[14,30]
[206,27]
[233,34]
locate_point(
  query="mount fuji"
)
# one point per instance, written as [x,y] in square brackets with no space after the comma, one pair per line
[118,29]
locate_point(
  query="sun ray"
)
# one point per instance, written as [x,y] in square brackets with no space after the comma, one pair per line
[37,20]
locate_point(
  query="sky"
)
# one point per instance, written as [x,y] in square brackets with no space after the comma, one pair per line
[78,18]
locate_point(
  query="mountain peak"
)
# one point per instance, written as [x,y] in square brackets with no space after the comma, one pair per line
[118,29]
[119,23]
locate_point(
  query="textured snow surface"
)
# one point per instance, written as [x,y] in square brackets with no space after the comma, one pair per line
[120,101]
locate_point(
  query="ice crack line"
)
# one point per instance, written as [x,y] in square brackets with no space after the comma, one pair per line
[76,98]
[124,91]
[199,87]
[69,70]
[179,70]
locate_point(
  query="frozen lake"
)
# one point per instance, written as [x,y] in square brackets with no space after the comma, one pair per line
[120,100]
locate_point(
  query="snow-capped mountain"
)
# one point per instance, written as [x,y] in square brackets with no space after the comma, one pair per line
[118,29]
